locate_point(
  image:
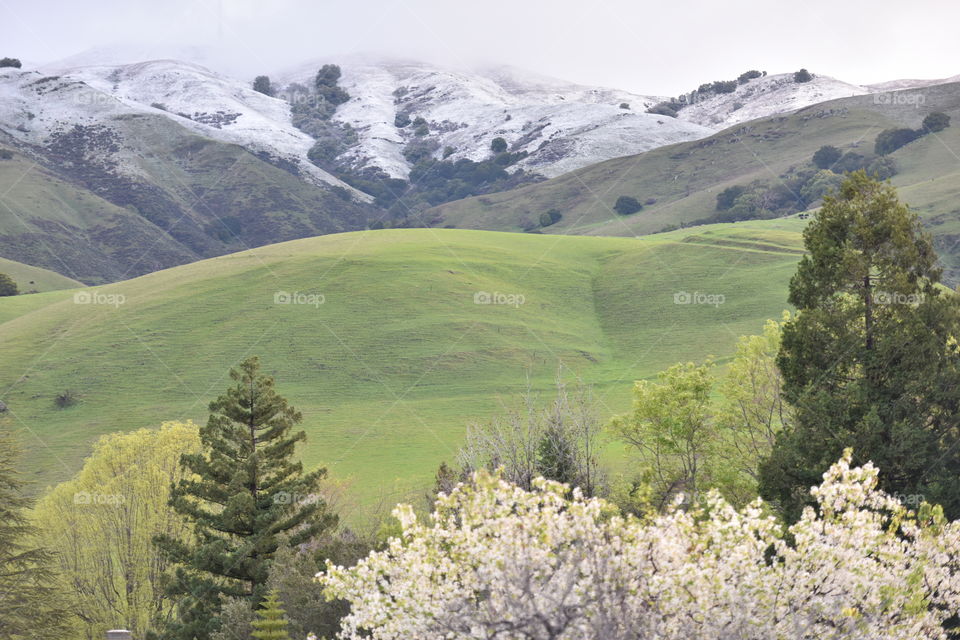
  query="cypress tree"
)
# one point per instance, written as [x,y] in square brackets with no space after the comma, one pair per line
[271,622]
[30,604]
[247,497]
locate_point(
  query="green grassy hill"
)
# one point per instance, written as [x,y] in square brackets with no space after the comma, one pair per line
[685,178]
[35,279]
[398,358]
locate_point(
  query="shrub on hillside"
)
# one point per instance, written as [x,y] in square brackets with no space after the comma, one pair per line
[802,76]
[935,122]
[261,84]
[624,105]
[663,109]
[728,196]
[10,62]
[626,205]
[889,140]
[401,120]
[882,168]
[550,217]
[498,145]
[7,286]
[825,156]
[6,154]
[849,162]
[747,76]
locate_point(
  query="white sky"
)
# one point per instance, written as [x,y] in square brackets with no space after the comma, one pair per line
[663,47]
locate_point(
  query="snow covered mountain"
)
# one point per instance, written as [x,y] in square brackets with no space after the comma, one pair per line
[766,96]
[562,126]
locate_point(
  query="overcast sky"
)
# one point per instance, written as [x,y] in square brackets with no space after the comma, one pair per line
[659,48]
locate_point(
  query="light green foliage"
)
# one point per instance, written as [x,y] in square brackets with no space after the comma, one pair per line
[101,524]
[271,622]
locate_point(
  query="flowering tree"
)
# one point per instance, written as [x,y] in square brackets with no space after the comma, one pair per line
[498,562]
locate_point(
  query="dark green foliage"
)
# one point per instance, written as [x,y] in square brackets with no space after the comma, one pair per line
[802,76]
[10,62]
[326,86]
[448,151]
[248,495]
[498,145]
[7,286]
[271,621]
[342,193]
[65,399]
[550,217]
[401,120]
[420,149]
[871,361]
[624,105]
[626,205]
[882,168]
[849,162]
[30,606]
[421,130]
[935,122]
[727,197]
[262,85]
[825,156]
[747,76]
[663,109]
[889,140]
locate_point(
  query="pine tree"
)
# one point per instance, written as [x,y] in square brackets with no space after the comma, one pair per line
[30,603]
[271,623]
[248,497]
[871,361]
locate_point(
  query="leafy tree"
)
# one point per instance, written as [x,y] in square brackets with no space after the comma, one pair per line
[7,286]
[727,197]
[747,76]
[32,607]
[802,76]
[498,145]
[752,411]
[626,205]
[825,156]
[327,76]
[550,217]
[624,105]
[889,140]
[10,62]
[101,525]
[262,85]
[872,359]
[935,122]
[244,495]
[401,120]
[672,425]
[271,622]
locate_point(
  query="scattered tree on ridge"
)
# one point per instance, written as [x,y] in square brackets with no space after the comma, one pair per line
[498,145]
[7,286]
[261,84]
[802,76]
[626,205]
[10,62]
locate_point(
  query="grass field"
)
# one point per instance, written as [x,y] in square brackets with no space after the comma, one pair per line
[398,358]
[34,279]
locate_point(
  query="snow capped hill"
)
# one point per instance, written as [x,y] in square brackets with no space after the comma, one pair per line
[766,96]
[562,126]
[198,99]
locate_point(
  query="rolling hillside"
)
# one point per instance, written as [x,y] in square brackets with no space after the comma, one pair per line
[684,179]
[34,279]
[398,357]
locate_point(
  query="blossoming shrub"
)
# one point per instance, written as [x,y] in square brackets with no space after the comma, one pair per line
[500,562]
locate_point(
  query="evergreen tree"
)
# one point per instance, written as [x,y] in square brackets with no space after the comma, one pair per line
[262,85]
[271,623]
[248,497]
[30,606]
[871,362]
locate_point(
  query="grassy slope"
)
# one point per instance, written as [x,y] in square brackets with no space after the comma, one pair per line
[193,198]
[35,279]
[686,178]
[390,369]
